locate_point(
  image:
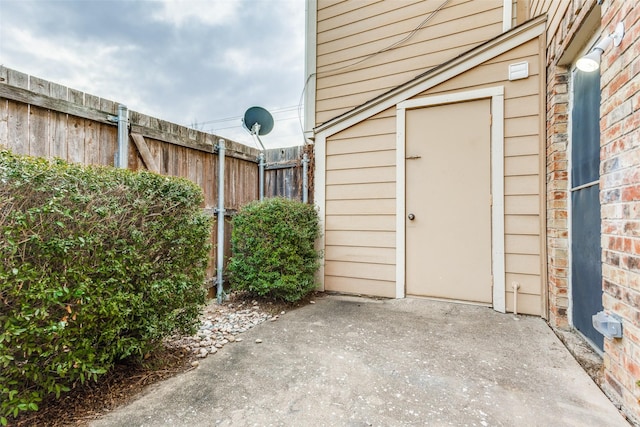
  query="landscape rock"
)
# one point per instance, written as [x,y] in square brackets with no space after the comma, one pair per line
[220,325]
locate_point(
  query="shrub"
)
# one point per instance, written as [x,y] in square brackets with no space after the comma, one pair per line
[96,265]
[273,252]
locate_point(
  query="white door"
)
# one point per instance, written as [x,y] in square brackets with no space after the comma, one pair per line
[448,201]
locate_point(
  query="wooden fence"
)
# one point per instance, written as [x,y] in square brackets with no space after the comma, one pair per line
[45,119]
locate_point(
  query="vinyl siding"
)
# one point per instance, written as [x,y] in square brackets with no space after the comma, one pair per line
[360,188]
[360,208]
[555,10]
[349,33]
[523,185]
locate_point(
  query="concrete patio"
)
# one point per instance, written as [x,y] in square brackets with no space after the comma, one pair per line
[348,361]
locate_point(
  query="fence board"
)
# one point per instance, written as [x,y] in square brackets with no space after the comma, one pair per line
[58,126]
[75,139]
[91,142]
[58,134]
[108,135]
[283,174]
[25,96]
[4,116]
[38,136]
[17,79]
[18,128]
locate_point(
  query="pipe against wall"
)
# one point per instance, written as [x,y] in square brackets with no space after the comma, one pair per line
[305,178]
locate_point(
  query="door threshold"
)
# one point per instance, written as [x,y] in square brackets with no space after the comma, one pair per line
[455,301]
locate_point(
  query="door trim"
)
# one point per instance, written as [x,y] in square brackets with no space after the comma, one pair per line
[496,94]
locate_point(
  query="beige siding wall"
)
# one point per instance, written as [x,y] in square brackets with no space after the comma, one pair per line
[349,33]
[521,11]
[523,182]
[555,10]
[360,176]
[360,238]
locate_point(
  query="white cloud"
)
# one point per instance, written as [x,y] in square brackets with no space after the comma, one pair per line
[86,65]
[238,60]
[210,12]
[70,51]
[193,61]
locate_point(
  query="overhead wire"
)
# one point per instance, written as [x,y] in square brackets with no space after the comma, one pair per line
[300,105]
[365,58]
[229,119]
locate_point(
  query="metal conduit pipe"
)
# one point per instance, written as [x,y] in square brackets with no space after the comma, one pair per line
[220,211]
[122,156]
[515,286]
[261,172]
[305,178]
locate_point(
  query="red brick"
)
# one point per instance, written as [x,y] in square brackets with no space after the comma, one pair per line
[631,123]
[631,193]
[619,181]
[632,228]
[621,79]
[612,384]
[610,134]
[631,333]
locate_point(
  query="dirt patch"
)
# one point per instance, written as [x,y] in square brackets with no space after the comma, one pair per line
[586,356]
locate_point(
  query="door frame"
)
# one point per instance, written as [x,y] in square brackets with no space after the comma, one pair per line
[496,95]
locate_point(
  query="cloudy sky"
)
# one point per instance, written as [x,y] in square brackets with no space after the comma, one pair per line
[198,63]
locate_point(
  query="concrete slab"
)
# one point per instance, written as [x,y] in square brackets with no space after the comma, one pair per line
[348,361]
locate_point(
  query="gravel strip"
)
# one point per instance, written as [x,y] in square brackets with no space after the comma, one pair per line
[221,324]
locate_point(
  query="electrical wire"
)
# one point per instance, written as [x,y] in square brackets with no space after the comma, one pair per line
[385,49]
[300,105]
[392,45]
[230,119]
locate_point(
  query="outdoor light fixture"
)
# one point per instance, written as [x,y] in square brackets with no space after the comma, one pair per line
[591,61]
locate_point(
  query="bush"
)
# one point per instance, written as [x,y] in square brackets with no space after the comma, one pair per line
[273,252]
[96,265]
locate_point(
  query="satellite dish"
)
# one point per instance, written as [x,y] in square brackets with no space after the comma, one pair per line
[258,121]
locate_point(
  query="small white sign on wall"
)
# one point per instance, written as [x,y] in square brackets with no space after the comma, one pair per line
[518,70]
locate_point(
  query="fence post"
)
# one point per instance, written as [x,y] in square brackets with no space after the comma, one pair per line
[261,171]
[220,211]
[122,156]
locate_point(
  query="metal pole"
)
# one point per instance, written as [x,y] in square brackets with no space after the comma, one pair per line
[305,178]
[122,156]
[220,211]
[261,176]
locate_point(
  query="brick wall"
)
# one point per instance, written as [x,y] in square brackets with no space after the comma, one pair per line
[557,195]
[620,199]
[575,13]
[619,187]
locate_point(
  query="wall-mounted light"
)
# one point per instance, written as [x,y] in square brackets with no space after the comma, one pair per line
[591,61]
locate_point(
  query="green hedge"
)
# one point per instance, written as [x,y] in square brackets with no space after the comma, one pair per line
[96,265]
[273,252]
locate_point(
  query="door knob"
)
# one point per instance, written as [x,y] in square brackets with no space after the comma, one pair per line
[411,217]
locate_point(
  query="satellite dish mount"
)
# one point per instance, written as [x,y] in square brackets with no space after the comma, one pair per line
[258,121]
